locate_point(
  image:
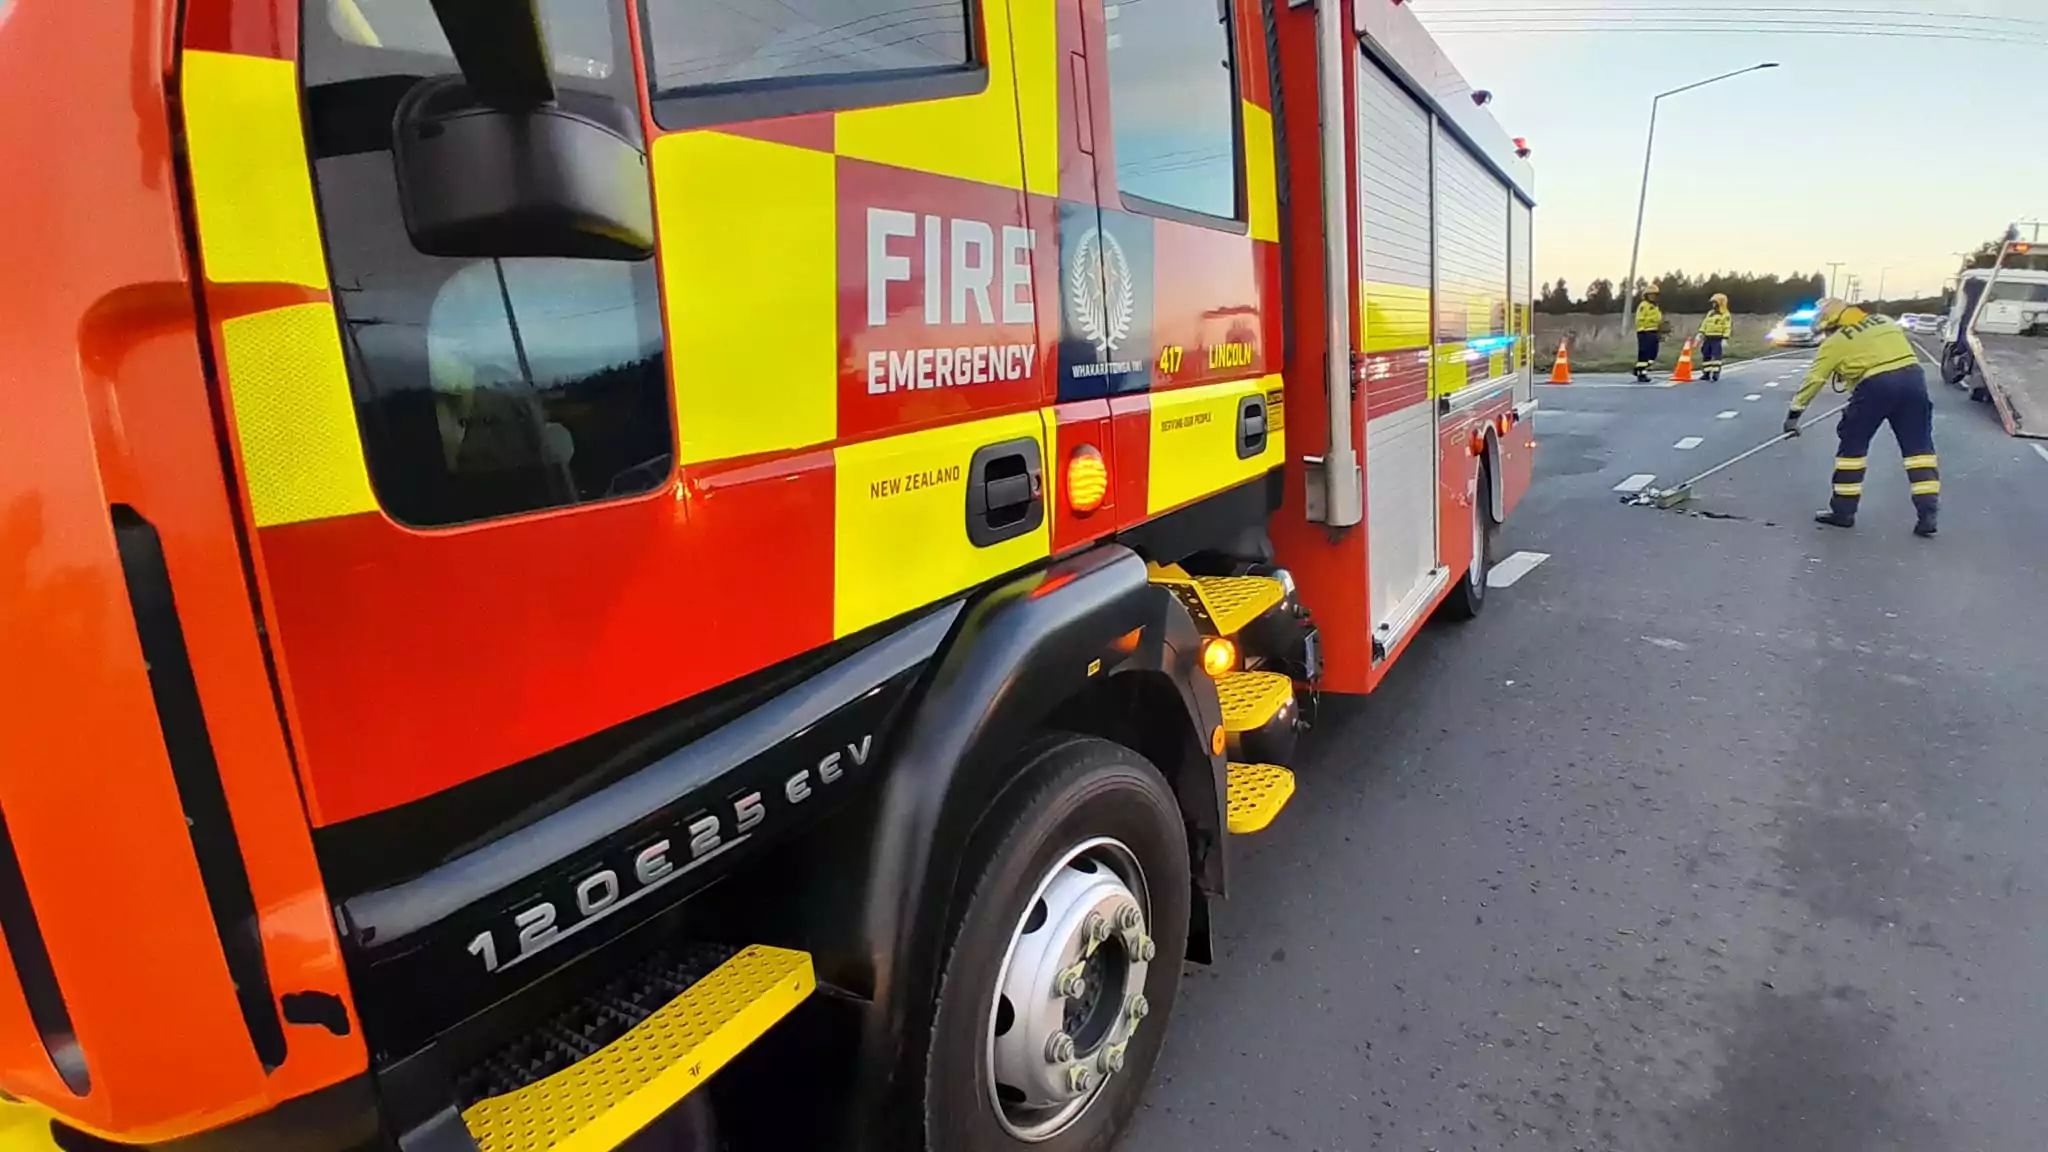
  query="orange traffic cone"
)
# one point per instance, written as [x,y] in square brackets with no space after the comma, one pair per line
[1683,373]
[1561,370]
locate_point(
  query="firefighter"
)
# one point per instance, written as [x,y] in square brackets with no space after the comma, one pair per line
[1875,363]
[1649,325]
[1714,332]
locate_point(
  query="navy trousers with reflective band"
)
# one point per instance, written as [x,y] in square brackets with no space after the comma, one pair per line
[1646,350]
[1710,354]
[1899,398]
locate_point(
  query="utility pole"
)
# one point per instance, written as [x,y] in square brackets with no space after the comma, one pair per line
[1628,286]
[1834,266]
[1881,272]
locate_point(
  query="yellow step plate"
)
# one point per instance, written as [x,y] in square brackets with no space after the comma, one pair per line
[1225,604]
[597,1103]
[25,1128]
[1257,794]
[1252,698]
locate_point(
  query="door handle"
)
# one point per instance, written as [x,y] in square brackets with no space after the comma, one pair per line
[1251,426]
[1005,492]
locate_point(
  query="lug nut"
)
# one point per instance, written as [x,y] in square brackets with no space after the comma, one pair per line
[1146,949]
[1098,929]
[1059,1048]
[1128,918]
[1113,1060]
[1140,1007]
[1080,1078]
[1071,984]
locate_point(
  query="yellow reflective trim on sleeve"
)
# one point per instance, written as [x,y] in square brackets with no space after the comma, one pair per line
[251,187]
[1922,462]
[1848,489]
[972,137]
[1852,463]
[1261,188]
[900,520]
[1926,487]
[295,421]
[1396,317]
[750,285]
[1194,443]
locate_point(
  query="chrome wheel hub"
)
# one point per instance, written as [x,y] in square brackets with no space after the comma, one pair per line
[1071,991]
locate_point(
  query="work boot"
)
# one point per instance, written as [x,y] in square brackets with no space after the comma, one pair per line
[1926,525]
[1834,519]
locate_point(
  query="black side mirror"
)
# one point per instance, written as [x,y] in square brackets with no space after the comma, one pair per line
[545,180]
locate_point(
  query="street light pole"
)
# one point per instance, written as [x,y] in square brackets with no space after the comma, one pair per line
[1628,288]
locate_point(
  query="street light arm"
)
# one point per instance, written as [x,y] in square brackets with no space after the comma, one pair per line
[1716,79]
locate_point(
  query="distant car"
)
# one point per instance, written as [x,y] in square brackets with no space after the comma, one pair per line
[1920,322]
[1796,330]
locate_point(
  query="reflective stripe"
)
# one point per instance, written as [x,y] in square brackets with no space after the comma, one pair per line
[1848,489]
[1853,463]
[1916,462]
[1926,487]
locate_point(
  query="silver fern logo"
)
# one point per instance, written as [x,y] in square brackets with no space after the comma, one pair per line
[1100,294]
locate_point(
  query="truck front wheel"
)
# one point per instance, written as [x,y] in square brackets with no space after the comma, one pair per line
[1065,958]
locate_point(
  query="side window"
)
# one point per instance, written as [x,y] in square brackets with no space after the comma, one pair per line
[483,388]
[1173,104]
[712,60]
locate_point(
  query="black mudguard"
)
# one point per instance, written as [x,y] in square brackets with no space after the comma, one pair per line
[1017,655]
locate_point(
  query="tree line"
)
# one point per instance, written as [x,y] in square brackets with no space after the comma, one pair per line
[1683,292]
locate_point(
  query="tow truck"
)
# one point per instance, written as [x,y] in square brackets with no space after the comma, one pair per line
[581,575]
[1996,336]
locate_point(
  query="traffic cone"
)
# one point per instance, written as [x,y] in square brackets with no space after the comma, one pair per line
[1683,373]
[1561,370]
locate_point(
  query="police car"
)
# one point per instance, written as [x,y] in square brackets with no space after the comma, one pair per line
[1796,330]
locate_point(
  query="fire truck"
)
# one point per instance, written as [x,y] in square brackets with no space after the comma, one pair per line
[579,574]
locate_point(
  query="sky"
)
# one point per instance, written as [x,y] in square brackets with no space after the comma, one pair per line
[1888,154]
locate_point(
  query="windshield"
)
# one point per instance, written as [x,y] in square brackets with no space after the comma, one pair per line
[2014,290]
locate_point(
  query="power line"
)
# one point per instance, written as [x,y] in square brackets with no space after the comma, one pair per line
[1915,32]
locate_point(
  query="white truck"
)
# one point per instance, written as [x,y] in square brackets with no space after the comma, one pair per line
[1995,338]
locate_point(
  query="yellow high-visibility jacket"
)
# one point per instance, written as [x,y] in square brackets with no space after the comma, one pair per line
[1649,317]
[1717,324]
[1861,348]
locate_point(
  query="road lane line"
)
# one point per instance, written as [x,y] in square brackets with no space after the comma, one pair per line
[1754,396]
[1774,384]
[1689,443]
[1728,415]
[1505,573]
[1636,483]
[2039,451]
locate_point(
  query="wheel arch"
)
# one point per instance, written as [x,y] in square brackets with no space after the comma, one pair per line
[1059,648]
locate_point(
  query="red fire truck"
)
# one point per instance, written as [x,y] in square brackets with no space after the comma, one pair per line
[551,549]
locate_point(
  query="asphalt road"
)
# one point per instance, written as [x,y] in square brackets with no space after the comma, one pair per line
[1718,832]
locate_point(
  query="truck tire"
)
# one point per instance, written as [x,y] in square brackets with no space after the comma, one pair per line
[1468,599]
[1065,958]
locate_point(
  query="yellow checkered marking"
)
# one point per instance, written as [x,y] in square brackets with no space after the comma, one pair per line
[1250,699]
[599,1102]
[251,186]
[1257,794]
[301,456]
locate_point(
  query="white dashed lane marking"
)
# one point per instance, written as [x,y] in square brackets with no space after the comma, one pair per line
[1728,415]
[1636,483]
[2039,451]
[1774,383]
[1689,443]
[1505,573]
[1754,396]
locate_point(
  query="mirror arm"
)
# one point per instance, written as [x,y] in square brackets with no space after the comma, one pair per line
[501,49]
